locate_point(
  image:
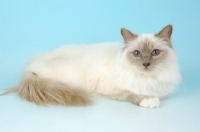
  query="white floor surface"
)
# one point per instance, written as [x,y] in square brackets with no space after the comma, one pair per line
[177,113]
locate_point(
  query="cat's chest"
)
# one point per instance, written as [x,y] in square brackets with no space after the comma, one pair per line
[151,86]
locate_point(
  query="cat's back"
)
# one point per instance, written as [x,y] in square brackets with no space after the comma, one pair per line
[109,48]
[80,56]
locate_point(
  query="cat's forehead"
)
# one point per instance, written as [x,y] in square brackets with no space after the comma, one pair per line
[145,42]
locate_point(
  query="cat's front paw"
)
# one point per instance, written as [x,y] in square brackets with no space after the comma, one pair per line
[150,102]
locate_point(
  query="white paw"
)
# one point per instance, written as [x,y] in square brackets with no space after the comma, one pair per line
[150,102]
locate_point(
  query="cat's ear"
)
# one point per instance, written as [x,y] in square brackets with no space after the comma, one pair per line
[165,33]
[127,35]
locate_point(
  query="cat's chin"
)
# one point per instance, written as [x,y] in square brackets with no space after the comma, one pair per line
[146,70]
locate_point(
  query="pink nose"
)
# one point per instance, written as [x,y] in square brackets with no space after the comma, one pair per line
[146,64]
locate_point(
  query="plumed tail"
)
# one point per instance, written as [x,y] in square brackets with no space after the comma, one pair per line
[43,91]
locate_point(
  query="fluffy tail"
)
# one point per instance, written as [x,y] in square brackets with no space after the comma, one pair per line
[44,91]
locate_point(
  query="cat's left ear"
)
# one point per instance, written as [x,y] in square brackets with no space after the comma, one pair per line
[127,35]
[165,33]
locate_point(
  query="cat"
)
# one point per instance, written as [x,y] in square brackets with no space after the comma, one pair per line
[142,70]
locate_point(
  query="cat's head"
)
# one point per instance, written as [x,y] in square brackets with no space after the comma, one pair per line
[148,52]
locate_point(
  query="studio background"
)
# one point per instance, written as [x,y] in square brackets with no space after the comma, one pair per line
[29,28]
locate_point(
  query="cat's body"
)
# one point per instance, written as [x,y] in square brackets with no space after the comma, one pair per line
[66,75]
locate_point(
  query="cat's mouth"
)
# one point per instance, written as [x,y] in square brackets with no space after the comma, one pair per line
[146,69]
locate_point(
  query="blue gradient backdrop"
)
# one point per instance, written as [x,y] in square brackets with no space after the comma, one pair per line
[28,28]
[31,27]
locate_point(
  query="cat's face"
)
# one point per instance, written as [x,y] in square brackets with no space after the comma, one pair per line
[148,52]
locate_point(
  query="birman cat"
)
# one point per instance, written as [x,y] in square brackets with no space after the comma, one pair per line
[142,70]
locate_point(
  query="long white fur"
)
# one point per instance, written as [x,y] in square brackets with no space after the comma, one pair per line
[104,69]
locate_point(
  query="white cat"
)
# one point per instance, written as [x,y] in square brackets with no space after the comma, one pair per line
[141,70]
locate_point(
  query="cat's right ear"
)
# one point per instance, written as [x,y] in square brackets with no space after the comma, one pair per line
[127,35]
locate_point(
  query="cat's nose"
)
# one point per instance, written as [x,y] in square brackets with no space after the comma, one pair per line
[146,64]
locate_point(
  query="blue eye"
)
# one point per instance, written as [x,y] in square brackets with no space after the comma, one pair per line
[137,53]
[155,52]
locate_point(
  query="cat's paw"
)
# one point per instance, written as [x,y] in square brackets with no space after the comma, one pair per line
[150,102]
